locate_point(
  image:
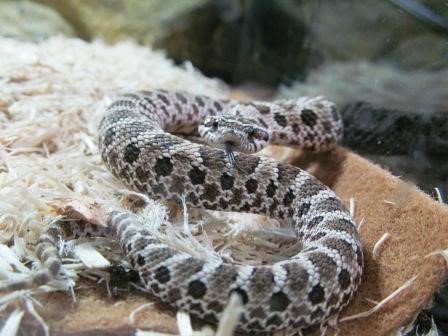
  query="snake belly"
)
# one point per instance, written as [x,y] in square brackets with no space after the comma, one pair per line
[138,146]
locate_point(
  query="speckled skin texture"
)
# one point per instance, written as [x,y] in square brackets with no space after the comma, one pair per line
[137,145]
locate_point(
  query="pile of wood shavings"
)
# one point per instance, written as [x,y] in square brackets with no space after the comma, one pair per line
[52,96]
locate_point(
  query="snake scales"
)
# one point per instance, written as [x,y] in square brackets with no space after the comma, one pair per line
[137,144]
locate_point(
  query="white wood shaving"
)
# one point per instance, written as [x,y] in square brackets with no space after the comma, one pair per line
[137,310]
[439,195]
[12,324]
[33,312]
[184,323]
[361,222]
[90,257]
[379,244]
[381,304]
[443,253]
[352,207]
[231,315]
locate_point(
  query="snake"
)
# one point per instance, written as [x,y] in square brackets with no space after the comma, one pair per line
[142,141]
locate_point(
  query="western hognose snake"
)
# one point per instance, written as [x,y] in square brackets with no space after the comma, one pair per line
[138,146]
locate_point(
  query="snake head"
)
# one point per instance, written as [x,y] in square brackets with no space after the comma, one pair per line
[235,133]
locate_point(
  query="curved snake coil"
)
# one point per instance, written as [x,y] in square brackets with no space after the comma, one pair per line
[137,146]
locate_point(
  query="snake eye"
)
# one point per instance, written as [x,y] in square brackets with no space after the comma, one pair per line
[215,124]
[260,135]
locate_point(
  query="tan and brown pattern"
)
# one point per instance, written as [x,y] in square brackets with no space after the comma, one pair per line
[138,146]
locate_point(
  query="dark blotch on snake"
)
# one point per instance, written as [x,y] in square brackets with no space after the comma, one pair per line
[227,181]
[196,289]
[271,189]
[162,274]
[199,101]
[181,97]
[195,110]
[303,209]
[140,260]
[317,294]
[280,119]
[163,98]
[196,176]
[217,106]
[131,153]
[251,185]
[163,166]
[279,301]
[308,117]
[344,279]
[289,197]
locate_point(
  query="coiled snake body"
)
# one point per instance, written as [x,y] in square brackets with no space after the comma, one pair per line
[137,145]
